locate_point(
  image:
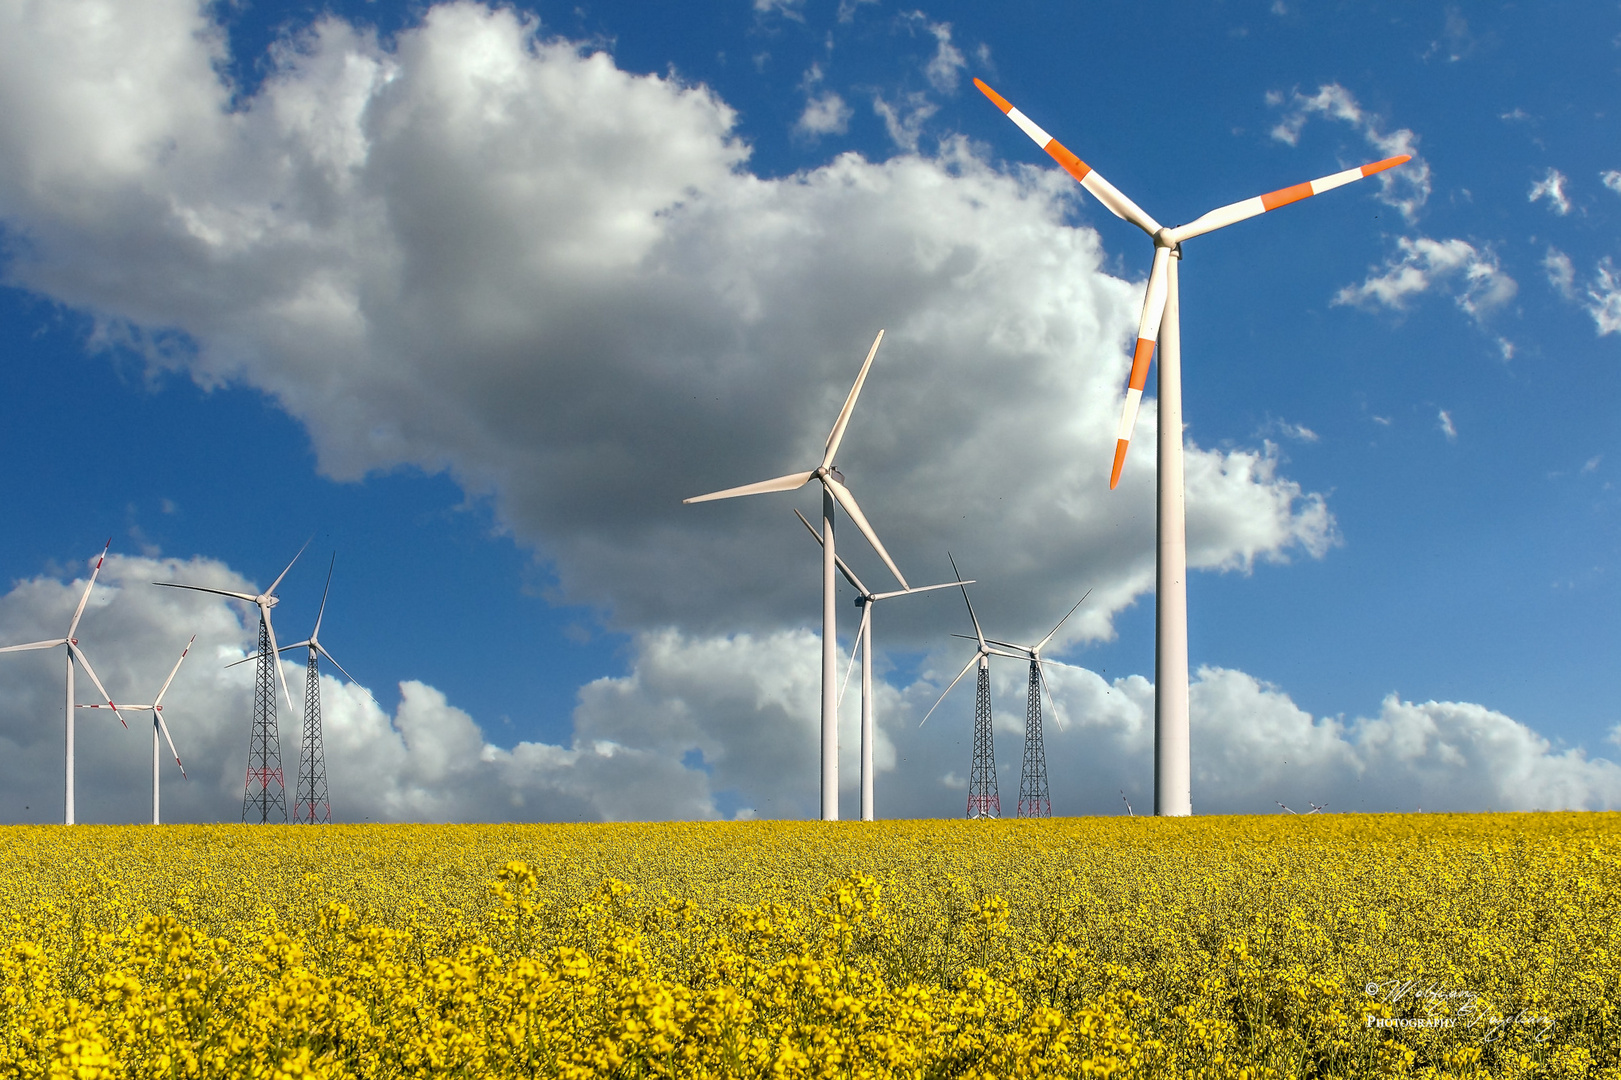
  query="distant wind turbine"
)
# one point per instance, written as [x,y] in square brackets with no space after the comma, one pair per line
[156,709]
[983,797]
[865,599]
[1034,799]
[833,490]
[75,653]
[1161,323]
[264,741]
[311,803]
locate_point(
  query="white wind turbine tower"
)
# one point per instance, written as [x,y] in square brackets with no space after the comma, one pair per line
[156,709]
[866,598]
[833,490]
[265,740]
[1161,323]
[75,653]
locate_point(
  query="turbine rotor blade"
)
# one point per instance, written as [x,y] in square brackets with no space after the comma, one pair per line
[322,650]
[1041,668]
[780,483]
[836,436]
[1232,213]
[85,599]
[972,660]
[159,699]
[51,644]
[1106,193]
[838,560]
[272,590]
[201,588]
[855,646]
[316,633]
[848,501]
[978,634]
[275,656]
[166,738]
[917,589]
[1062,621]
[1147,338]
[79,655]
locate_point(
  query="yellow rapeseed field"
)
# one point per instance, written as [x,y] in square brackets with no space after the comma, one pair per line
[1329,945]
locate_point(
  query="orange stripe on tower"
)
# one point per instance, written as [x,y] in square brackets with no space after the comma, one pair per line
[1072,164]
[1388,163]
[1285,196]
[1001,102]
[1119,462]
[1139,363]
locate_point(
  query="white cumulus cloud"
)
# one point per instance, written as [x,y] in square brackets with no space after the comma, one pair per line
[1552,188]
[1471,275]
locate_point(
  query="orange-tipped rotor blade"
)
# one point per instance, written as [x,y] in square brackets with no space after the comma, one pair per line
[1147,336]
[1223,216]
[1106,193]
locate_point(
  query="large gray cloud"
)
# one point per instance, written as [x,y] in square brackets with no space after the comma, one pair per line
[488,252]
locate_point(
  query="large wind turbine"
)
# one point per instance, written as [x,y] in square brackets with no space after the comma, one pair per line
[265,739]
[156,709]
[75,653]
[833,490]
[312,804]
[1161,322]
[865,599]
[1034,799]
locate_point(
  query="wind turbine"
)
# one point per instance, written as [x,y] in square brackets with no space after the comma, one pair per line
[833,490]
[75,653]
[264,742]
[863,642]
[1161,322]
[983,799]
[312,805]
[1034,800]
[156,709]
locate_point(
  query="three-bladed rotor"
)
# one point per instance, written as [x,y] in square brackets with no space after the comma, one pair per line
[1167,244]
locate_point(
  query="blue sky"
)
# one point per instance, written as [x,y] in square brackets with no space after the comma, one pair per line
[275,271]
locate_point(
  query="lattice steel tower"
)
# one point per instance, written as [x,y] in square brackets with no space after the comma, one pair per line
[312,807]
[1033,800]
[983,801]
[265,797]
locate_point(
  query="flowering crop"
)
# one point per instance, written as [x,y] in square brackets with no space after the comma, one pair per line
[1330,945]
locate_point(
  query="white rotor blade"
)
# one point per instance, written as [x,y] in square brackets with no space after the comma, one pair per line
[836,436]
[200,588]
[316,633]
[109,705]
[978,633]
[848,501]
[90,671]
[1062,621]
[1232,213]
[1147,337]
[1105,192]
[306,643]
[165,729]
[85,599]
[1024,650]
[275,658]
[322,650]
[919,588]
[844,568]
[1041,667]
[159,699]
[855,646]
[781,483]
[272,590]
[51,644]
[972,660]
